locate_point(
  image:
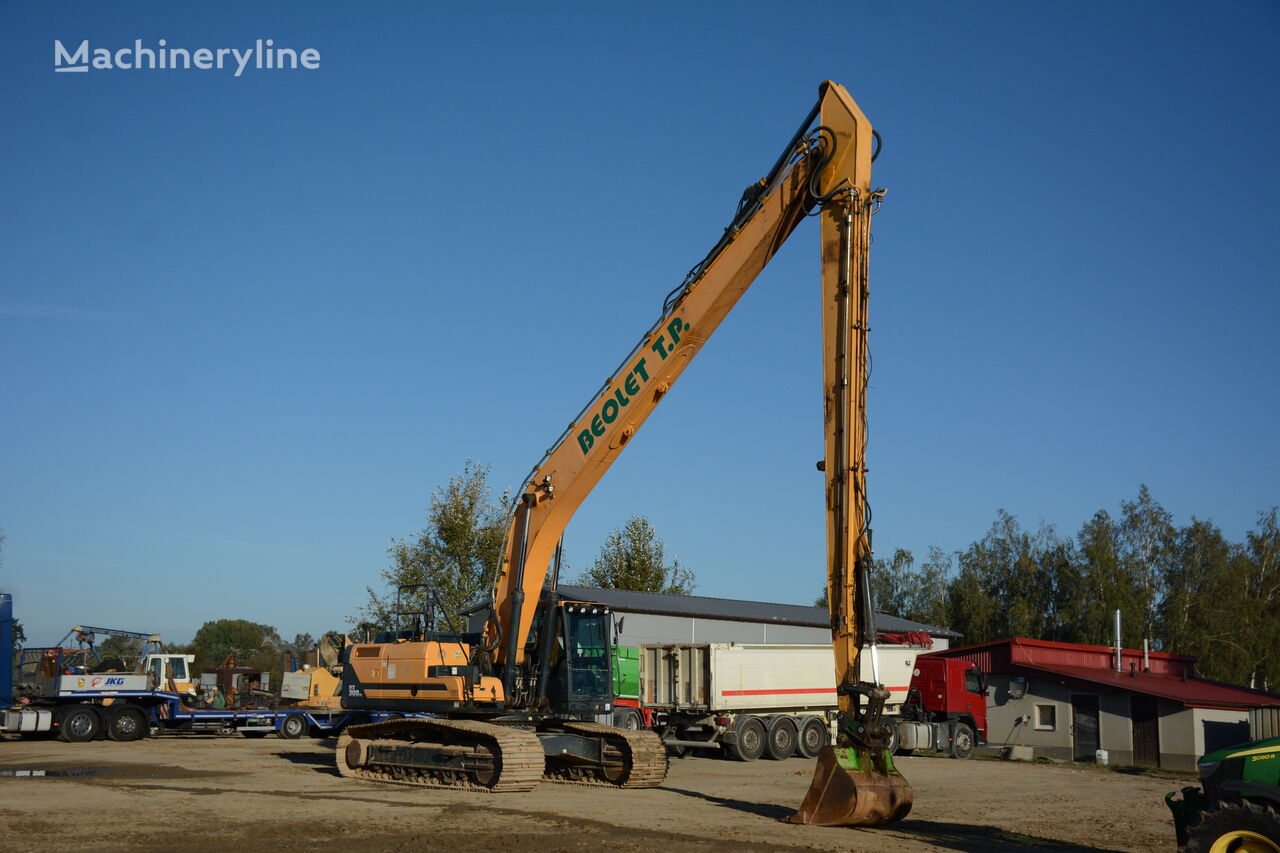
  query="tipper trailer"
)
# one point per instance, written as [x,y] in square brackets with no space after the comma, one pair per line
[772,700]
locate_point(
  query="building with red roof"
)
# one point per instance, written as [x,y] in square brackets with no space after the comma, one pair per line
[1066,701]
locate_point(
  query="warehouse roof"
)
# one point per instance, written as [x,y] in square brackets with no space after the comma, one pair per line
[703,607]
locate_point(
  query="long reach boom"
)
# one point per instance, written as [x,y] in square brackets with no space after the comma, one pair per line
[827,167]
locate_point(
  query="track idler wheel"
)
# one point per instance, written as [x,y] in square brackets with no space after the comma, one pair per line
[854,787]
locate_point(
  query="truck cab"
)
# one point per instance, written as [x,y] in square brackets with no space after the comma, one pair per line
[946,707]
[170,672]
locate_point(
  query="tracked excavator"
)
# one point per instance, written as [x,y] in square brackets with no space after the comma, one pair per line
[511,702]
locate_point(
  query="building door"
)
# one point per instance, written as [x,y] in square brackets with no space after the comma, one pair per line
[1084,727]
[1146,730]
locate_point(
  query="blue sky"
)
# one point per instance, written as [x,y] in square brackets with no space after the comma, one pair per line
[247,324]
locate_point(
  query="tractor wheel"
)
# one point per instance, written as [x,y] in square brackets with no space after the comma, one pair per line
[1243,827]
[751,738]
[128,724]
[780,741]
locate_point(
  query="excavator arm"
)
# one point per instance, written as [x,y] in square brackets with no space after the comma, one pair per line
[838,155]
[827,168]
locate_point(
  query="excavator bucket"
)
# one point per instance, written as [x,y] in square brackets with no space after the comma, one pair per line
[854,787]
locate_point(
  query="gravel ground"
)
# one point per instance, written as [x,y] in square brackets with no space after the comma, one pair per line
[203,792]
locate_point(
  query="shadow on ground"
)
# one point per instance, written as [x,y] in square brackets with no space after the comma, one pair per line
[964,837]
[972,838]
[323,762]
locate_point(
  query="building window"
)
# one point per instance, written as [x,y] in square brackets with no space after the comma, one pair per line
[1046,718]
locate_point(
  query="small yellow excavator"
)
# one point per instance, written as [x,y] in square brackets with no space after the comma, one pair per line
[511,701]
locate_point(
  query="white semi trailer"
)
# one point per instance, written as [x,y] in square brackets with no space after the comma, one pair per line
[755,700]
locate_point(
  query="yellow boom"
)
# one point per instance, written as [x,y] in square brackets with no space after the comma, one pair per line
[827,167]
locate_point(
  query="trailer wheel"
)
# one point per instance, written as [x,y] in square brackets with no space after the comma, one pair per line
[127,724]
[1243,826]
[750,742]
[781,741]
[625,717]
[962,741]
[813,737]
[79,723]
[293,726]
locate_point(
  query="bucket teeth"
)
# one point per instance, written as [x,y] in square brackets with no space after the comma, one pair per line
[854,788]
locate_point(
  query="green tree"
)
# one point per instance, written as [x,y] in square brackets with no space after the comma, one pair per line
[893,582]
[1007,582]
[1146,539]
[927,601]
[252,644]
[971,607]
[635,558]
[900,589]
[126,648]
[1262,567]
[303,643]
[456,553]
[1202,612]
[1097,582]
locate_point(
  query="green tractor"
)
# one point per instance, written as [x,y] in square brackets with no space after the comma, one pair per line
[1238,810]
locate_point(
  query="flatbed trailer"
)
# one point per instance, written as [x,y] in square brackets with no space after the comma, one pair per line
[55,697]
[130,715]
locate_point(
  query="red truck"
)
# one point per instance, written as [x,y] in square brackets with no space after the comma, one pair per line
[945,708]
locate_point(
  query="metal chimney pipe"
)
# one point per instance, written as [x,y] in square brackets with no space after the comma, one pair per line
[1146,651]
[1119,647]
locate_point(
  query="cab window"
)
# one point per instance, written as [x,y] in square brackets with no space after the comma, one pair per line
[587,639]
[973,681]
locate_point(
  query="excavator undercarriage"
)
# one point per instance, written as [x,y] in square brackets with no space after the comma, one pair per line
[496,757]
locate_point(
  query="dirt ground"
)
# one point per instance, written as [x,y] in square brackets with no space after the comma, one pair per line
[203,792]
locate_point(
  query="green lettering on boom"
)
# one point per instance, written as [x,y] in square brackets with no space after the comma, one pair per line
[674,328]
[631,383]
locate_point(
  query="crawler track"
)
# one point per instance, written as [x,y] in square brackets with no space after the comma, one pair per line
[485,757]
[479,756]
[642,753]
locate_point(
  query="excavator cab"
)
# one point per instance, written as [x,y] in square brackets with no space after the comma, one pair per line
[572,642]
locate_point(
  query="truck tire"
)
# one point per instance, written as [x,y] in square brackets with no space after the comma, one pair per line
[962,741]
[1234,826]
[128,723]
[293,727]
[79,723]
[780,740]
[750,741]
[625,717]
[813,737]
[893,738]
